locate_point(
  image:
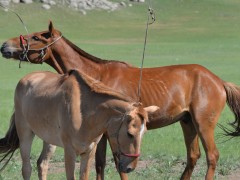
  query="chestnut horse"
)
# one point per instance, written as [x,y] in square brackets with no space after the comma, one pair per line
[73,111]
[190,94]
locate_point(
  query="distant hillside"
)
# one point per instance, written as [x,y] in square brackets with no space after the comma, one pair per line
[80,5]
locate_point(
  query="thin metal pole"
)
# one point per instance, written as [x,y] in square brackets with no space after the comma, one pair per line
[150,13]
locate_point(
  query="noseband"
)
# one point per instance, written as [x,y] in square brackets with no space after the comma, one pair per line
[26,48]
[117,154]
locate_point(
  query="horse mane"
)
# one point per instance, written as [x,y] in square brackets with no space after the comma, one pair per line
[97,86]
[89,56]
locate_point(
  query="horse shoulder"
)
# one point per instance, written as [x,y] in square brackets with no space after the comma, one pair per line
[71,105]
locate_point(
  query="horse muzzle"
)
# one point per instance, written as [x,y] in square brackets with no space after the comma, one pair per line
[6,53]
[125,169]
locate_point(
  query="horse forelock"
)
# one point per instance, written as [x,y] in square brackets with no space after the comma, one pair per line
[138,111]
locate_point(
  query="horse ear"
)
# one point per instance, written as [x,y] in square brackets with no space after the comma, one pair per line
[151,110]
[50,27]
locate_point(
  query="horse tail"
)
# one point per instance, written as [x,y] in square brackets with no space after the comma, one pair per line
[233,101]
[9,143]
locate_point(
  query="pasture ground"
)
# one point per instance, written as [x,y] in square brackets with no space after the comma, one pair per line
[187,31]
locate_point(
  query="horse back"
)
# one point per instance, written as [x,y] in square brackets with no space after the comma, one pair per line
[175,89]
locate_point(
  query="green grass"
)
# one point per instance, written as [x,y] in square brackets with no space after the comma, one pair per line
[186,31]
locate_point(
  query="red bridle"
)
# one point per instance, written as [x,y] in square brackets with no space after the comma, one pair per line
[22,40]
[131,155]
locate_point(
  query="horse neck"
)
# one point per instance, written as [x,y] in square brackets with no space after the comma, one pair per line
[64,57]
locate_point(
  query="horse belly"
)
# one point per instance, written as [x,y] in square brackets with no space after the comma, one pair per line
[46,131]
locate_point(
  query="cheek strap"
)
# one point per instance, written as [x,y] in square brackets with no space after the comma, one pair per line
[131,155]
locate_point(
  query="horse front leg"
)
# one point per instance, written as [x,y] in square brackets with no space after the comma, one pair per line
[100,158]
[69,158]
[192,146]
[43,160]
[86,159]
[123,176]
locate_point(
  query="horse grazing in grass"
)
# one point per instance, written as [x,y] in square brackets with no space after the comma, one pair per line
[73,111]
[190,94]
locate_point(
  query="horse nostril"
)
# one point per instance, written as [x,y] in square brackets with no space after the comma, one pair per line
[124,169]
[3,47]
[129,170]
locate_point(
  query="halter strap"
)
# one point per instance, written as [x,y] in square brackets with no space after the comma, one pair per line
[136,155]
[26,49]
[22,40]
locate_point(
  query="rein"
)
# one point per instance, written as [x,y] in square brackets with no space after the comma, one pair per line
[27,48]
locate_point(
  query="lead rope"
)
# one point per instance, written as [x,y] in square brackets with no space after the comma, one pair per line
[25,27]
[152,15]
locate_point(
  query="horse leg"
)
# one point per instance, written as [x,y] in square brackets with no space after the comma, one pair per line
[123,176]
[25,139]
[207,137]
[100,157]
[205,124]
[69,157]
[86,159]
[192,146]
[43,160]
[26,136]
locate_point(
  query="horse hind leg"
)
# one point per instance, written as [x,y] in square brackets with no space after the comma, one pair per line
[26,136]
[43,160]
[25,150]
[212,154]
[192,146]
[100,157]
[205,123]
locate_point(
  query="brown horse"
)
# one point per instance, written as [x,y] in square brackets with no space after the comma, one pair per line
[190,94]
[73,111]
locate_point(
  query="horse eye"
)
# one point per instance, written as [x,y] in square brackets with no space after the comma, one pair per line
[130,135]
[35,38]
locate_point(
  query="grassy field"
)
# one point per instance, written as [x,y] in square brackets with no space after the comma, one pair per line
[186,31]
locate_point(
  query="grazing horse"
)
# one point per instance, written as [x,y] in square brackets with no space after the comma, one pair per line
[184,93]
[73,111]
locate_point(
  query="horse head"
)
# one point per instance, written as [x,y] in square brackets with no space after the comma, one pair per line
[125,136]
[33,47]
